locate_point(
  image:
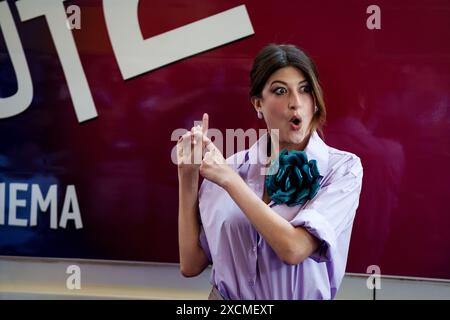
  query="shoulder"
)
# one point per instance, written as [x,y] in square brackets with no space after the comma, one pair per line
[344,163]
[237,159]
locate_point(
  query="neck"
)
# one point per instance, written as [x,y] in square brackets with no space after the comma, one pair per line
[272,153]
[294,146]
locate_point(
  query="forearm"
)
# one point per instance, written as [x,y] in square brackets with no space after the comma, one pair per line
[291,244]
[192,258]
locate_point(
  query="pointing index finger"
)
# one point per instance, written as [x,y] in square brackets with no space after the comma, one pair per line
[205,123]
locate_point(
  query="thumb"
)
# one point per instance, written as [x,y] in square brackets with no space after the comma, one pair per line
[209,145]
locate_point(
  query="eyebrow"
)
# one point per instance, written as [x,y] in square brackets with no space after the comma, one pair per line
[285,82]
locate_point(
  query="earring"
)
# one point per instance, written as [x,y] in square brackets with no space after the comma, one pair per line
[259,115]
[315,109]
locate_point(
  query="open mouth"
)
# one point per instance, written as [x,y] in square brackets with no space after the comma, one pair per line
[295,123]
[295,120]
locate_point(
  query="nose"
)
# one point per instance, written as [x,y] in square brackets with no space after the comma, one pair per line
[294,100]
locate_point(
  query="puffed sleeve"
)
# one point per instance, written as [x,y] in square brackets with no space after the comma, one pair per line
[204,243]
[329,216]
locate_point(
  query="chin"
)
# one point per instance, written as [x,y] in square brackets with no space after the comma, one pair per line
[297,137]
[292,139]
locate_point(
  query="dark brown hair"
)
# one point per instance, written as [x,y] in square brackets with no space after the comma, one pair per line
[276,56]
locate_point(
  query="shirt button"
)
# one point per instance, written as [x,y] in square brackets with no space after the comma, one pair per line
[254,249]
[251,283]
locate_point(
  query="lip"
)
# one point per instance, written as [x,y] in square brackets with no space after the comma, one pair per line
[295,126]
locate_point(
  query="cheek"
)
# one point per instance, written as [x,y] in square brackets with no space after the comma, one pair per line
[276,107]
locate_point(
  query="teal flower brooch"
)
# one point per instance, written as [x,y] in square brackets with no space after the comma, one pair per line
[292,179]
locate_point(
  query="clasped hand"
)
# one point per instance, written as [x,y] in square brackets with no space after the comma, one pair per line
[196,153]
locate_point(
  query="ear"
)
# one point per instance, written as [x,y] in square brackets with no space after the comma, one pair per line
[256,102]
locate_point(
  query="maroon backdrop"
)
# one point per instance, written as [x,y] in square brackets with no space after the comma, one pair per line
[387,95]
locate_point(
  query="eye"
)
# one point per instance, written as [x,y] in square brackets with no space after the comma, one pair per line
[280,91]
[306,89]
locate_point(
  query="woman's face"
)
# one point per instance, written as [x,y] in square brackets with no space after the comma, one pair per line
[287,104]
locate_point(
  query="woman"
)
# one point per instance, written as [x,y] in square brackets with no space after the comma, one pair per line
[261,245]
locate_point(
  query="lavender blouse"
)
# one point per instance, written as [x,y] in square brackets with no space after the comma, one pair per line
[244,266]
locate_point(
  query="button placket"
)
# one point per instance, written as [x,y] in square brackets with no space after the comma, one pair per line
[254,260]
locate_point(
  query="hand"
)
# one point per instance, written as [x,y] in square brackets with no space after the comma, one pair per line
[190,148]
[214,166]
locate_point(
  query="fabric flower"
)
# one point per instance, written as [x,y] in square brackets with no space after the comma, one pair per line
[295,181]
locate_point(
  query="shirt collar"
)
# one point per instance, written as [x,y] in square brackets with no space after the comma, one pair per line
[316,149]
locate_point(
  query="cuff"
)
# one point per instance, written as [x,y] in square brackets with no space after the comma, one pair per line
[318,226]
